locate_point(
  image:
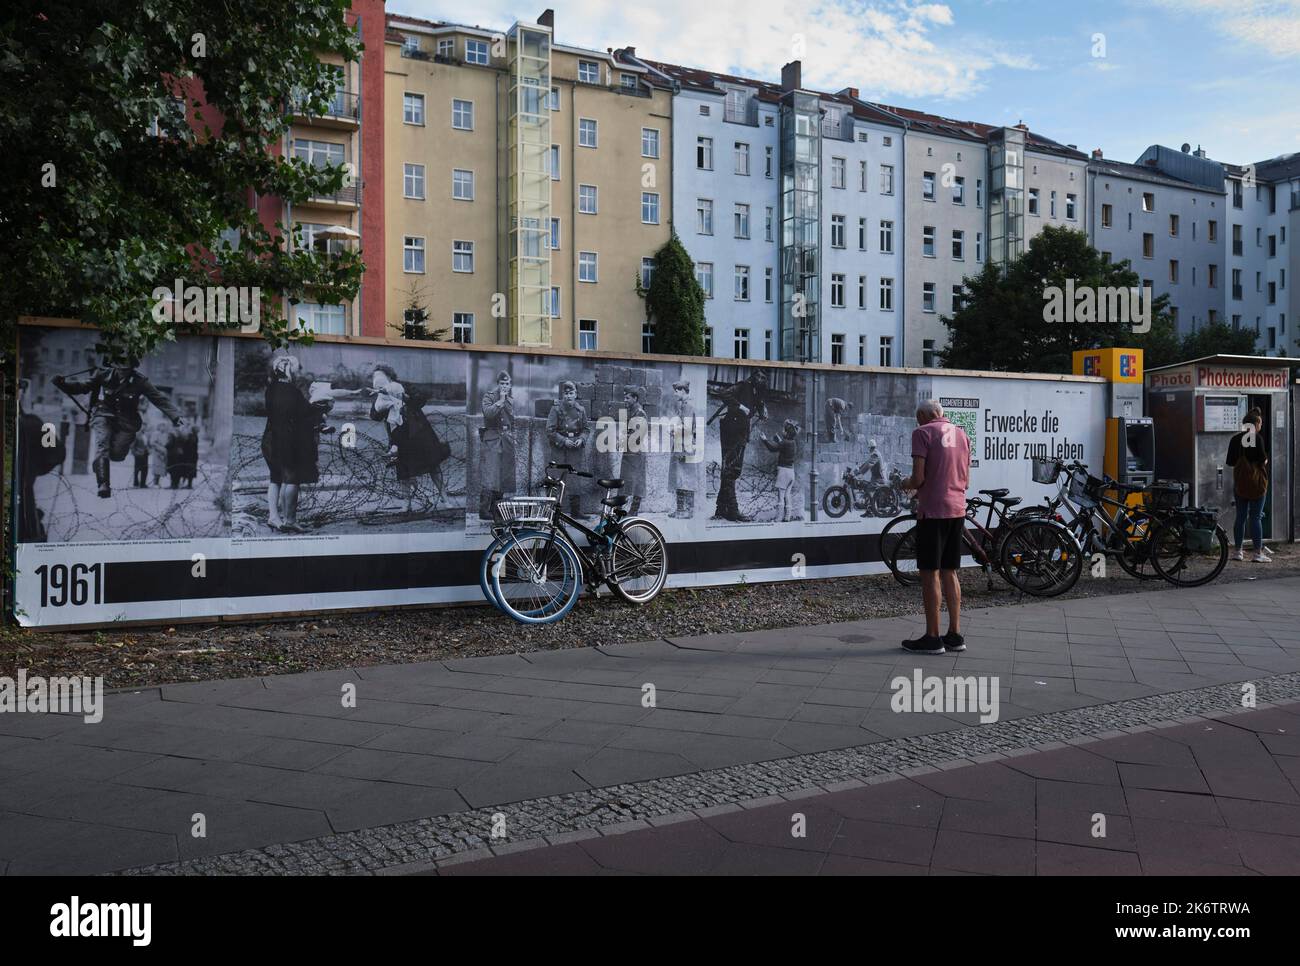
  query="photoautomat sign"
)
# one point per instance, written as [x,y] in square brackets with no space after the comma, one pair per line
[1220,377]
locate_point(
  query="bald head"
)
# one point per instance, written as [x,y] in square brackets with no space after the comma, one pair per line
[929,411]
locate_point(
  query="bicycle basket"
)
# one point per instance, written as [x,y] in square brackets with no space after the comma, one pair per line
[1167,495]
[1044,470]
[531,509]
[1085,490]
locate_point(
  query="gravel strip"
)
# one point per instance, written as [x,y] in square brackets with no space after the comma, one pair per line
[145,657]
[419,842]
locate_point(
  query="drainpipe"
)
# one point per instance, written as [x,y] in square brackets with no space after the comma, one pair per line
[573,208]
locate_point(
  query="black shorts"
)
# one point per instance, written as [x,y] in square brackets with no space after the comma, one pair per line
[938,543]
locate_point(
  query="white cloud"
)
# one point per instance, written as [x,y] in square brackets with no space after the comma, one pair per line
[887,48]
[1270,25]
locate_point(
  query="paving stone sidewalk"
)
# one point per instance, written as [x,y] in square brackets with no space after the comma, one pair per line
[1215,797]
[282,759]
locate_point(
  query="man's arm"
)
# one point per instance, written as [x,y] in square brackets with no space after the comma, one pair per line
[159,399]
[917,479]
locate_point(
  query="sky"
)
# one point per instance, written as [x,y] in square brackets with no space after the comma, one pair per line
[1115,74]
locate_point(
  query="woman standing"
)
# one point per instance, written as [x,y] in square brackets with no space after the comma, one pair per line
[289,444]
[413,446]
[1248,457]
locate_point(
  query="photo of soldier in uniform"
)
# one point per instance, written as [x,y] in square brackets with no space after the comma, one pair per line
[567,432]
[684,464]
[634,441]
[496,460]
[126,424]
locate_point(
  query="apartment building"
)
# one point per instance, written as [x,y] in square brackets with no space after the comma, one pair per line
[1261,255]
[350,132]
[1165,216]
[786,200]
[535,183]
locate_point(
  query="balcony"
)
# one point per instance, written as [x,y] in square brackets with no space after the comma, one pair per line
[841,130]
[343,112]
[345,199]
[415,53]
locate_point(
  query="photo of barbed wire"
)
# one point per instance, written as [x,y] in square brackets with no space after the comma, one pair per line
[131,451]
[603,418]
[346,439]
[757,445]
[863,444]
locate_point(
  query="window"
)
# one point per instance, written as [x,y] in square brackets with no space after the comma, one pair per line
[979,246]
[767,345]
[476,52]
[741,344]
[862,291]
[649,142]
[588,72]
[957,297]
[1236,194]
[1173,270]
[886,295]
[767,285]
[886,356]
[587,199]
[741,221]
[742,158]
[647,271]
[627,81]
[462,256]
[462,115]
[704,275]
[767,162]
[1148,201]
[1107,215]
[1052,205]
[742,283]
[837,349]
[555,233]
[1173,225]
[1033,201]
[837,231]
[838,172]
[586,133]
[1236,283]
[1071,207]
[1214,231]
[927,185]
[318,154]
[555,301]
[886,179]
[462,184]
[649,208]
[768,224]
[708,329]
[886,238]
[959,245]
[927,241]
[322,319]
[412,108]
[1148,245]
[462,327]
[959,191]
[413,254]
[413,181]
[927,353]
[555,98]
[704,216]
[446,46]
[862,350]
[979,192]
[1213,276]
[862,176]
[837,291]
[704,153]
[555,162]
[927,296]
[586,267]
[647,337]
[587,340]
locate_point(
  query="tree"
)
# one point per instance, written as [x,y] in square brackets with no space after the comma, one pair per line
[674,302]
[1022,320]
[1214,338]
[137,134]
[415,317]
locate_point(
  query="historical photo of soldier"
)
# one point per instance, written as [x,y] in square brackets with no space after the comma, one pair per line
[347,439]
[836,411]
[740,406]
[633,443]
[567,432]
[109,413]
[496,444]
[683,464]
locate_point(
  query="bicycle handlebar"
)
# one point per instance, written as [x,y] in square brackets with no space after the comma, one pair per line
[569,470]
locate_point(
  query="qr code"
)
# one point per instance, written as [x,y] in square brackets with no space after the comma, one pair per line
[965,418]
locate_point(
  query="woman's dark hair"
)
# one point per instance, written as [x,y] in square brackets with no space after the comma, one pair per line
[387,370]
[1255,415]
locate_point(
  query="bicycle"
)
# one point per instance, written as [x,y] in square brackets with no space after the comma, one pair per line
[898,539]
[534,569]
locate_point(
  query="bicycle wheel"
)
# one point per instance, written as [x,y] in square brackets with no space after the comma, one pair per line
[835,501]
[638,562]
[1187,555]
[1041,558]
[537,578]
[898,549]
[490,555]
[1134,546]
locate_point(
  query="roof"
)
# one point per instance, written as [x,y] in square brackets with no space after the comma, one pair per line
[1142,172]
[1246,362]
[1282,168]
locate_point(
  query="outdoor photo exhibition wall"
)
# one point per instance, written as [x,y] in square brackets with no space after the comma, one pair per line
[218,477]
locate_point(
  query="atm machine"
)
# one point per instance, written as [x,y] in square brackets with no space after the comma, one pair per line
[1130,435]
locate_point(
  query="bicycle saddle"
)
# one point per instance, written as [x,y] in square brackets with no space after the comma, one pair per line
[996,494]
[1008,501]
[609,484]
[615,501]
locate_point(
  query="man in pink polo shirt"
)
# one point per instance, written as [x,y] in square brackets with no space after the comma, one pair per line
[940,475]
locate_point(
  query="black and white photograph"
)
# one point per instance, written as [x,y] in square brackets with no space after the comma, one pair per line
[335,439]
[122,450]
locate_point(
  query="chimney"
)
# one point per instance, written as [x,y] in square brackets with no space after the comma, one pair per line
[1200,152]
[1096,154]
[792,76]
[851,91]
[547,19]
[631,51]
[1022,126]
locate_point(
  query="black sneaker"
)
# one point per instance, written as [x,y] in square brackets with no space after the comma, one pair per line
[954,642]
[925,645]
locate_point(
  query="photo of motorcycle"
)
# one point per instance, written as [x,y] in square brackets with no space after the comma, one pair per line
[873,499]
